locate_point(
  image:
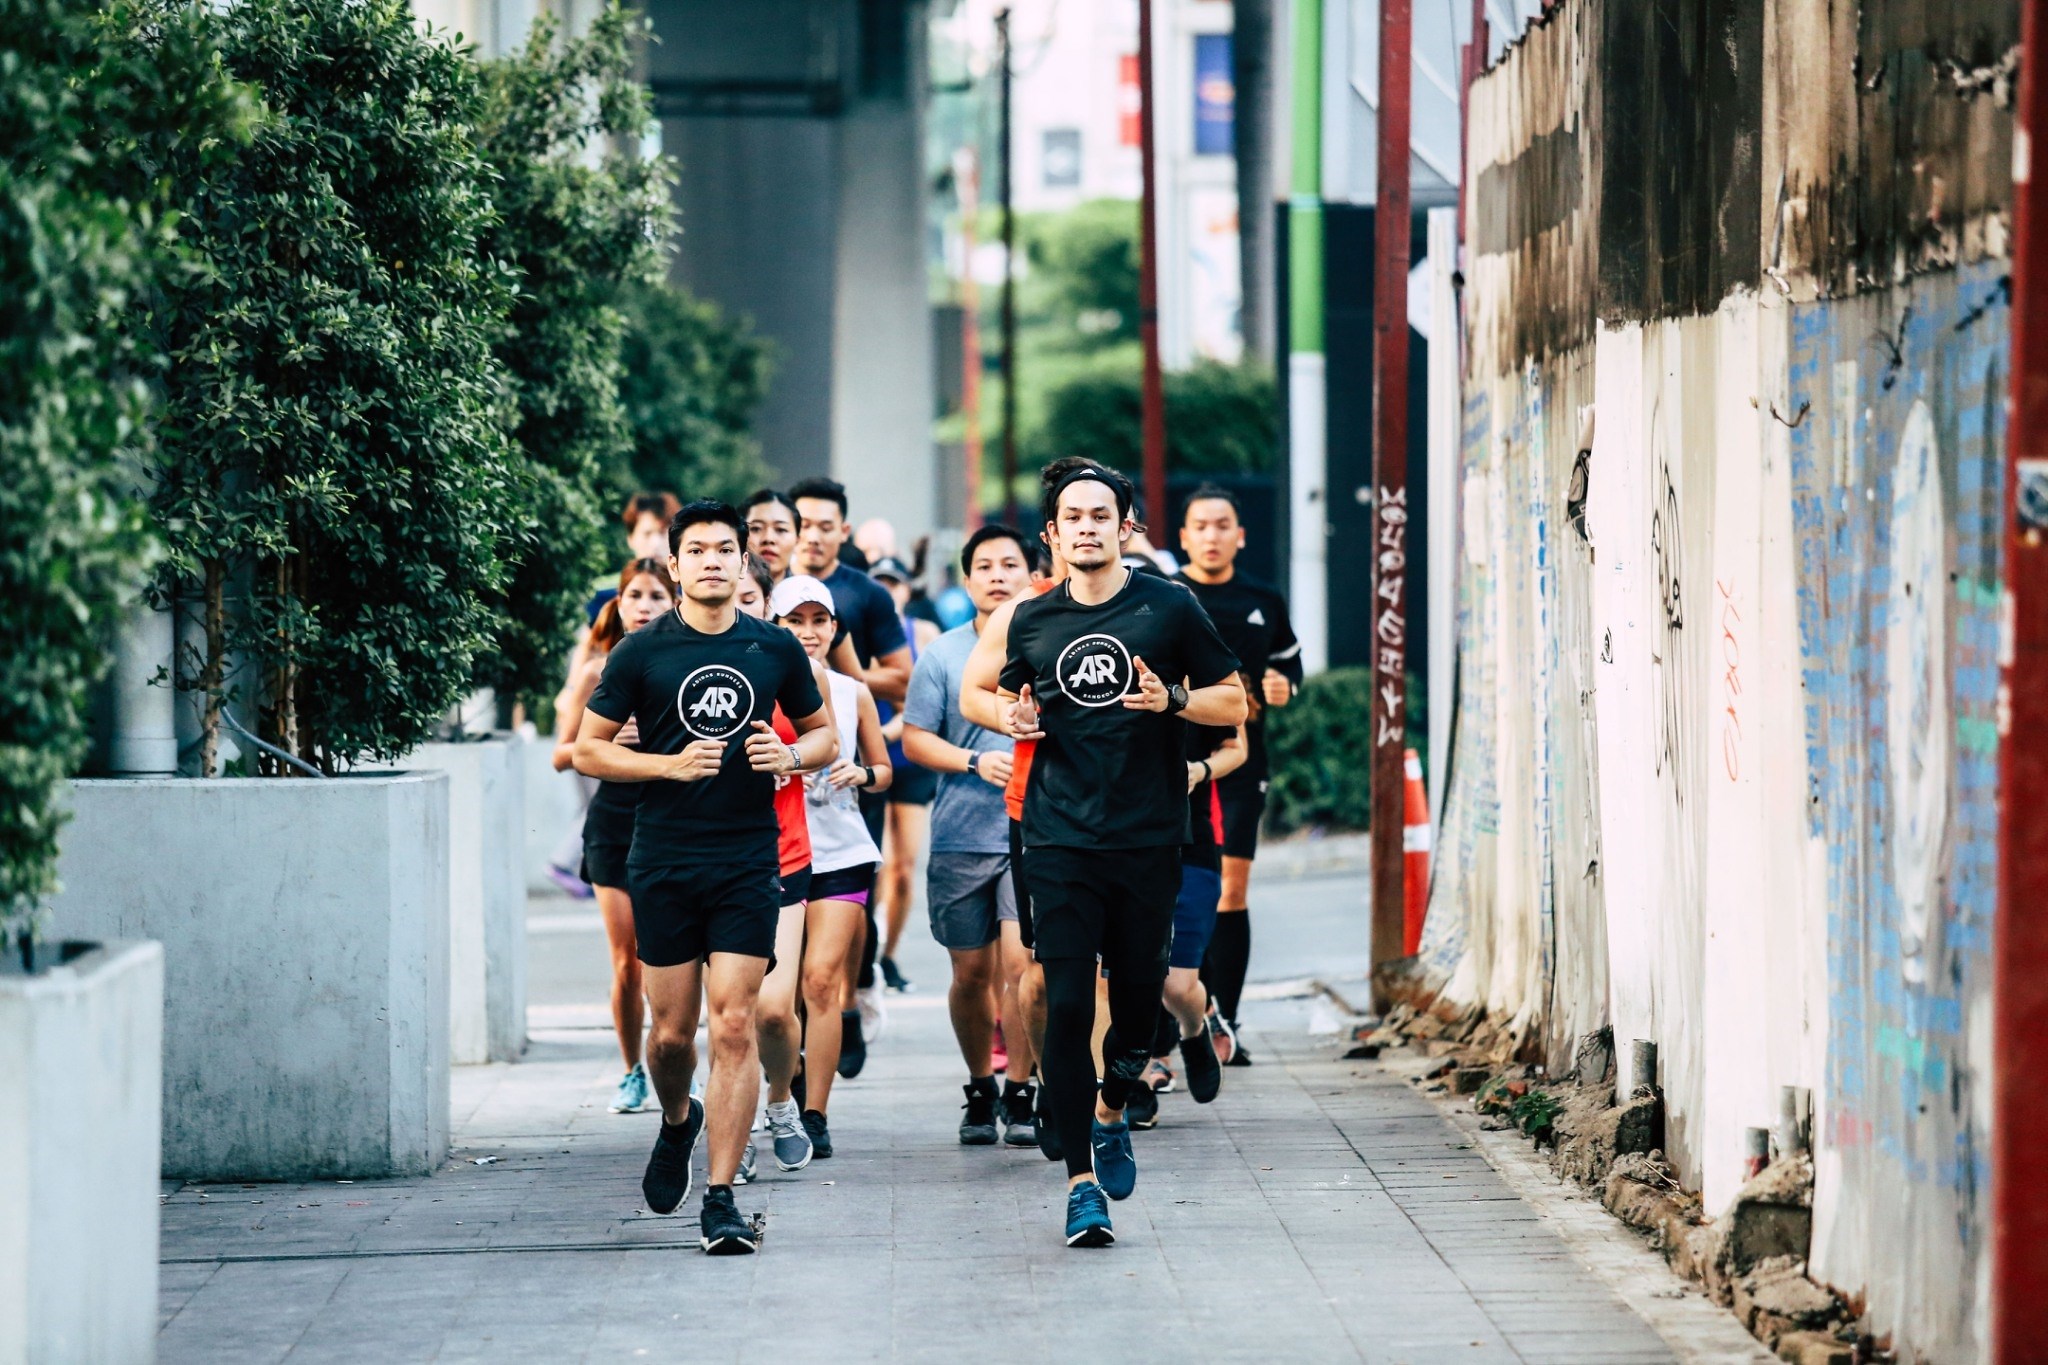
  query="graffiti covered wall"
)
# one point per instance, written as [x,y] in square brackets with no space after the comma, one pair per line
[1724,763]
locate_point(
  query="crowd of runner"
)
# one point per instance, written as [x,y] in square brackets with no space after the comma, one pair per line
[772,729]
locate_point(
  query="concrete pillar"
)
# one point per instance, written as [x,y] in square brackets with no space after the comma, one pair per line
[142,723]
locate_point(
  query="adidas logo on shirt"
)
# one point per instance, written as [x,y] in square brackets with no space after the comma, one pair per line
[1257,618]
[1144,609]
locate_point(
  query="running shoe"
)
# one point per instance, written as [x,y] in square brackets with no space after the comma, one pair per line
[874,1015]
[1205,1073]
[577,888]
[1141,1110]
[1020,1126]
[632,1093]
[978,1128]
[1116,1166]
[724,1231]
[746,1172]
[1240,1055]
[1222,1036]
[1048,1131]
[1159,1076]
[821,1137]
[999,1055]
[667,1182]
[893,977]
[1088,1217]
[786,1129]
[853,1045]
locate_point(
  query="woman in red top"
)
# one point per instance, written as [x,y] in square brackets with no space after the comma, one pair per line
[776,1023]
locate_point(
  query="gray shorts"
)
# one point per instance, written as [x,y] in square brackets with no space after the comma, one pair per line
[971,894]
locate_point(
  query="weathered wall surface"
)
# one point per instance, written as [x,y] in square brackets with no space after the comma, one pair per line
[1723,766]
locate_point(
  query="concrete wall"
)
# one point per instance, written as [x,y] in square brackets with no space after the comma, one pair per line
[81,1091]
[486,893]
[1728,514]
[305,933]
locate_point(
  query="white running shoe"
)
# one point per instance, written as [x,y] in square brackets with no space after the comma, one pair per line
[874,1015]
[792,1143]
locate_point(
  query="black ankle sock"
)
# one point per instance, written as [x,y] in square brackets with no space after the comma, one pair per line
[711,1190]
[1012,1089]
[1167,1035]
[984,1084]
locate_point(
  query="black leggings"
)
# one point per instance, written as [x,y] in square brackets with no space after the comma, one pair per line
[1068,1068]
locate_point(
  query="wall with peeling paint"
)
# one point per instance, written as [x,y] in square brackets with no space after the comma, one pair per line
[1724,763]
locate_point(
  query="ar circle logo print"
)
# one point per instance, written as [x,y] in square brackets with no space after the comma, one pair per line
[715,702]
[1095,670]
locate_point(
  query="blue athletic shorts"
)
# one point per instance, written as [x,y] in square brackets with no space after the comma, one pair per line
[1194,915]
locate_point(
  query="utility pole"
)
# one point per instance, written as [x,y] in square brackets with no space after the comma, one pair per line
[2019,1048]
[967,178]
[1153,394]
[1009,281]
[1390,495]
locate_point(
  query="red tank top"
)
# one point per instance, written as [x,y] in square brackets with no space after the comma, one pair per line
[794,844]
[1020,757]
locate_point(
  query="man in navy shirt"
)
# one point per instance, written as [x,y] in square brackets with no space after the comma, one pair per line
[703,682]
[866,611]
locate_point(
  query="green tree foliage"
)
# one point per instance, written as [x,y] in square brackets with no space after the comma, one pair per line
[334,462]
[1220,419]
[1087,262]
[582,217]
[91,96]
[691,385]
[1317,746]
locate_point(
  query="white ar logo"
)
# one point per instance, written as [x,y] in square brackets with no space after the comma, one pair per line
[1096,668]
[717,701]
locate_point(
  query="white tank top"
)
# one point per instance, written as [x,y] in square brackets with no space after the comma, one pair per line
[839,836]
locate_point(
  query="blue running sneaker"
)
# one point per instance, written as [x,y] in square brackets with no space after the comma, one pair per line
[1088,1217]
[633,1092]
[1115,1165]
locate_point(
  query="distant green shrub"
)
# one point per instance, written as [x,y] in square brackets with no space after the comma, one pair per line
[1220,419]
[1319,748]
[692,382]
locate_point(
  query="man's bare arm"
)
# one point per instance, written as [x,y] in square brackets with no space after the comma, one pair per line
[597,755]
[981,699]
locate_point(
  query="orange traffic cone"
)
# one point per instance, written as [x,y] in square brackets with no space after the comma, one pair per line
[1415,856]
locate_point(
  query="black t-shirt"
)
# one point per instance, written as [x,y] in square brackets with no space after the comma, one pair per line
[867,612]
[1252,619]
[684,686]
[1105,776]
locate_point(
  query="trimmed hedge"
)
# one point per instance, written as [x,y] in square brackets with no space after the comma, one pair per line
[1220,419]
[92,96]
[1319,750]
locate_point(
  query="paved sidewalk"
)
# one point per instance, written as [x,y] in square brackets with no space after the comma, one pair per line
[1320,1210]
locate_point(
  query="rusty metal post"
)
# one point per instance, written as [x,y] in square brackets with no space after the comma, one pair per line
[2019,1143]
[967,176]
[1390,494]
[1154,392]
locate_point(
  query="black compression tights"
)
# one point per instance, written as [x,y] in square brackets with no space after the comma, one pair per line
[1069,1068]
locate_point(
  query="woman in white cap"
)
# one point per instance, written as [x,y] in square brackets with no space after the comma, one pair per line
[843,853]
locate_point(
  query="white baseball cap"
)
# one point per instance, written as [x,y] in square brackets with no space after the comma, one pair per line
[797,589]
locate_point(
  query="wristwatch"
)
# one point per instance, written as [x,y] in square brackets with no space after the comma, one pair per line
[1176,699]
[867,775]
[796,760]
[974,762]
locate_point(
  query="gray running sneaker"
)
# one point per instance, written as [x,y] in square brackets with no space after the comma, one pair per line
[792,1143]
[746,1171]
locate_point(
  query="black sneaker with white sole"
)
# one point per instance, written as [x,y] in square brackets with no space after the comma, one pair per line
[978,1124]
[820,1135]
[724,1231]
[667,1182]
[1141,1110]
[1020,1128]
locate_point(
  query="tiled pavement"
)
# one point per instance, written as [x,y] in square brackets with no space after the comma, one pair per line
[1319,1211]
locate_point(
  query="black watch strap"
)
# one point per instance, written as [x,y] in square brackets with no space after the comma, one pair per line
[974,762]
[1176,699]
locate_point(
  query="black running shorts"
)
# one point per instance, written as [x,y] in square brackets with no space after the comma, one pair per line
[605,864]
[682,914]
[1243,798]
[1115,903]
[796,886]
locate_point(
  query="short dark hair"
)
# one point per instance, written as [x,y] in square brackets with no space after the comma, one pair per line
[1060,472]
[996,530]
[829,489]
[761,495]
[700,512]
[1210,492]
[662,505]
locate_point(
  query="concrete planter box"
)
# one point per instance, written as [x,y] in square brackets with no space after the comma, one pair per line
[486,893]
[81,1090]
[304,925]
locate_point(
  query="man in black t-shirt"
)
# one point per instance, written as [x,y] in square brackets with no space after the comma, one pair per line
[1252,618]
[703,682]
[1105,672]
[865,610]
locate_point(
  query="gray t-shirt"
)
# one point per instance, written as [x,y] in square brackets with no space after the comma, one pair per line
[968,814]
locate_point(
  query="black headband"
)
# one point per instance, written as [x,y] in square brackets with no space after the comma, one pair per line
[1115,486]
